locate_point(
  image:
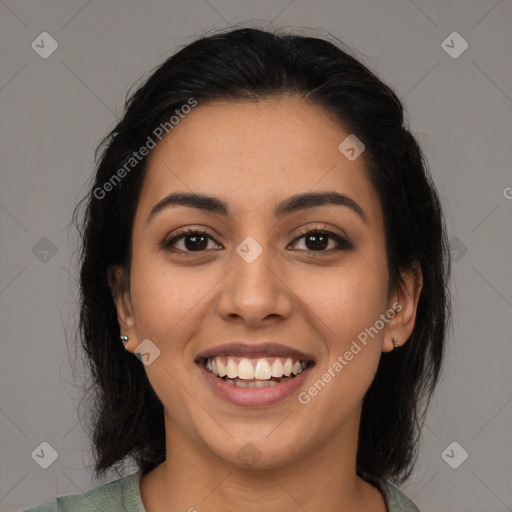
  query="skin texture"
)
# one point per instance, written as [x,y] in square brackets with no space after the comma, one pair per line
[253,155]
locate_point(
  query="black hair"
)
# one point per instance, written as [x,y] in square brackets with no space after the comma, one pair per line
[249,64]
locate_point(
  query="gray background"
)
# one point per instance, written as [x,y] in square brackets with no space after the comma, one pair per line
[54,111]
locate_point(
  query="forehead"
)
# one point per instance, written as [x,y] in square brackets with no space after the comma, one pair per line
[253,154]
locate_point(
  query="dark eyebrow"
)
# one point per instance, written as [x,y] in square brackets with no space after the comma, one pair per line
[312,199]
[286,207]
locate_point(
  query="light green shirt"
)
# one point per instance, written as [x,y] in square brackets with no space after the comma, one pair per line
[123,495]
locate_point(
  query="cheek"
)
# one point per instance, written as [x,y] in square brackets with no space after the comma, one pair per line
[164,297]
[167,304]
[357,303]
[347,308]
[347,299]
[346,304]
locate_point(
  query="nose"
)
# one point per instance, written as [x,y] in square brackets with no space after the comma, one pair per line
[254,292]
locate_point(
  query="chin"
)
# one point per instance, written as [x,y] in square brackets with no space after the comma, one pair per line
[257,452]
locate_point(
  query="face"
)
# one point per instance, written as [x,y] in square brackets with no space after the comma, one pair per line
[258,282]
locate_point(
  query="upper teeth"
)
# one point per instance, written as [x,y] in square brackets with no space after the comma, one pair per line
[249,369]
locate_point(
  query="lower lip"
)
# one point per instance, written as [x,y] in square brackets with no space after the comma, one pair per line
[254,396]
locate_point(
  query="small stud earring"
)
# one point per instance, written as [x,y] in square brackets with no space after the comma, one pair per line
[395,343]
[124,339]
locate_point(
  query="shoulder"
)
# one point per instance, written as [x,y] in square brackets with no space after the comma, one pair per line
[122,494]
[396,500]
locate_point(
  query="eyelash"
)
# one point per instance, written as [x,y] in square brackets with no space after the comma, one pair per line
[343,244]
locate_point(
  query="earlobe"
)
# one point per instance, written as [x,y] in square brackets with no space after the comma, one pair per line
[125,341]
[407,296]
[124,311]
[121,296]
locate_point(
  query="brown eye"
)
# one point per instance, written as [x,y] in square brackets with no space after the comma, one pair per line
[318,240]
[193,241]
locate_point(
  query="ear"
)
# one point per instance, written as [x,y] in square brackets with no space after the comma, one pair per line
[405,303]
[118,283]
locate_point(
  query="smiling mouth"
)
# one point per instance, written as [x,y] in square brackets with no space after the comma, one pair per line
[255,372]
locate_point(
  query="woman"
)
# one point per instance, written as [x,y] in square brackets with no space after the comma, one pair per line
[264,236]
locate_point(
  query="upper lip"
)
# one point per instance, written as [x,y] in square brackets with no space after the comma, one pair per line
[254,350]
